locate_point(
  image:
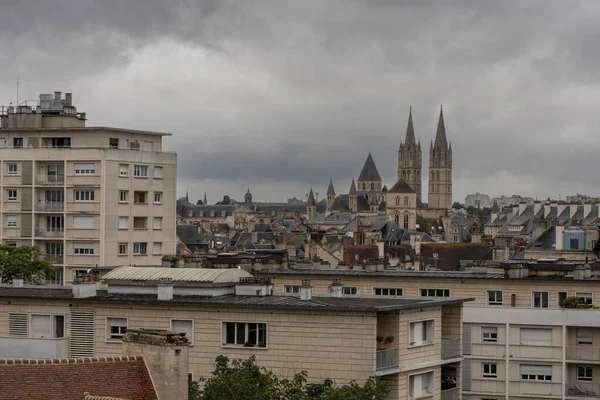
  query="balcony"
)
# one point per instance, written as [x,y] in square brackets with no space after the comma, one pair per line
[52,258]
[450,348]
[43,232]
[50,180]
[50,206]
[34,348]
[386,359]
[583,353]
[450,394]
[583,389]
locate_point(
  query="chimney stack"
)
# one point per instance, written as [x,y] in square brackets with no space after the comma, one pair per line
[18,280]
[335,289]
[84,287]
[165,289]
[68,99]
[306,290]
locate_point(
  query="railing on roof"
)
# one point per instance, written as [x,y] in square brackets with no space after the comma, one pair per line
[251,280]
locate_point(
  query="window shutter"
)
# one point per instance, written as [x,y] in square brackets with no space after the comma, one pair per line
[536,336]
[536,370]
[40,326]
[467,338]
[18,325]
[83,222]
[81,341]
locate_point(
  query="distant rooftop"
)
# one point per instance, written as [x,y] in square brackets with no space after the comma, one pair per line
[231,275]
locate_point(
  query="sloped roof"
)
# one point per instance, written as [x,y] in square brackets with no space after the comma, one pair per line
[330,189]
[401,187]
[410,131]
[177,274]
[441,143]
[125,378]
[369,171]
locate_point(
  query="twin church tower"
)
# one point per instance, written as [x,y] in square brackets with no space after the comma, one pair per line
[440,165]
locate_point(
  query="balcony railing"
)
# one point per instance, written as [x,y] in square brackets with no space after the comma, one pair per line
[53,258]
[43,232]
[450,394]
[583,389]
[50,180]
[583,353]
[50,206]
[451,348]
[35,348]
[387,359]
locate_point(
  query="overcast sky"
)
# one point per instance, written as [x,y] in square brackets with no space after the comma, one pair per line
[283,95]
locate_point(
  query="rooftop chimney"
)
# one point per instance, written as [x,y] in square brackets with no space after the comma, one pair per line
[518,271]
[84,287]
[306,290]
[164,289]
[68,99]
[335,289]
[56,96]
[18,281]
[582,272]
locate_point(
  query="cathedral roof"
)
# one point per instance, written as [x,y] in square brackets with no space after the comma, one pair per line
[410,132]
[311,199]
[401,187]
[369,171]
[330,190]
[352,189]
[342,204]
[441,143]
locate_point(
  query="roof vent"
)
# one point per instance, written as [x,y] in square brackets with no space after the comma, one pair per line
[335,289]
[306,290]
[251,286]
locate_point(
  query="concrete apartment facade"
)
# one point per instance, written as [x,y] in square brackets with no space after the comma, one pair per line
[86,196]
[414,344]
[519,342]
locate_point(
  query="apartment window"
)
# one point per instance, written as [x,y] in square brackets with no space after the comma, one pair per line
[536,336]
[123,169]
[489,334]
[55,249]
[140,197]
[113,143]
[584,373]
[248,334]
[157,248]
[54,223]
[490,370]
[536,372]
[122,249]
[585,336]
[140,248]
[83,222]
[140,170]
[18,142]
[12,169]
[83,195]
[420,385]
[158,172]
[55,197]
[123,223]
[421,333]
[387,291]
[561,298]
[55,173]
[291,288]
[58,326]
[12,194]
[157,197]
[11,221]
[540,299]
[157,223]
[494,297]
[435,292]
[83,248]
[61,142]
[85,169]
[184,326]
[41,326]
[123,196]
[140,222]
[586,298]
[115,328]
[349,290]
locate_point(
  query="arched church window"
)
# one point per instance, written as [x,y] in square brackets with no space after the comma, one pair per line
[403,175]
[398,201]
[397,219]
[408,175]
[406,201]
[372,186]
[437,174]
[364,187]
[405,221]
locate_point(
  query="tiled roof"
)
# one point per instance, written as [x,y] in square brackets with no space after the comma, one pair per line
[401,187]
[176,274]
[124,378]
[369,171]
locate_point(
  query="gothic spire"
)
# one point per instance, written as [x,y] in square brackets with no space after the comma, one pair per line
[330,190]
[311,199]
[205,202]
[352,188]
[410,141]
[441,142]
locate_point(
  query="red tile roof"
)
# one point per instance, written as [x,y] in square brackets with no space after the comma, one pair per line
[122,378]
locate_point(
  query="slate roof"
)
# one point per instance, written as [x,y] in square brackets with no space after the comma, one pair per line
[330,189]
[401,187]
[125,378]
[450,254]
[410,141]
[441,142]
[546,241]
[191,235]
[369,171]
[341,204]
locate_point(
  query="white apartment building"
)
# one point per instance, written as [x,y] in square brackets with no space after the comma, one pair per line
[85,196]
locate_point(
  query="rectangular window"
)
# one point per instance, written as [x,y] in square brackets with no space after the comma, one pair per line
[291,288]
[421,333]
[18,142]
[536,372]
[585,336]
[140,197]
[83,248]
[387,291]
[140,170]
[115,328]
[561,298]
[12,194]
[61,142]
[140,248]
[247,334]
[54,223]
[113,143]
[85,169]
[83,195]
[540,299]
[184,326]
[55,173]
[585,298]
[494,297]
[584,373]
[123,169]
[140,222]
[158,172]
[83,222]
[490,370]
[420,385]
[349,290]
[123,223]
[157,223]
[58,326]
[489,334]
[435,292]
[12,169]
[123,196]
[157,248]
[157,197]
[536,336]
[11,221]
[41,326]
[122,248]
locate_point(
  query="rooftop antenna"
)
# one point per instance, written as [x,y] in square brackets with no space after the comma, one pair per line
[17,90]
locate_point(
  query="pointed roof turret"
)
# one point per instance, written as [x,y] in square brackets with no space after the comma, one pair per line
[205,203]
[311,199]
[441,142]
[369,171]
[410,141]
[385,189]
[352,188]
[330,190]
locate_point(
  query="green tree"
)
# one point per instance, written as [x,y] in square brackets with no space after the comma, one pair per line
[457,206]
[244,380]
[24,261]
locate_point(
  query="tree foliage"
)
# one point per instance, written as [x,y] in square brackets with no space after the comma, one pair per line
[244,380]
[24,261]
[457,206]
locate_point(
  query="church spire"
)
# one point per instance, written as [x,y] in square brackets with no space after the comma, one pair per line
[311,199]
[352,188]
[330,190]
[205,201]
[410,131]
[441,142]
